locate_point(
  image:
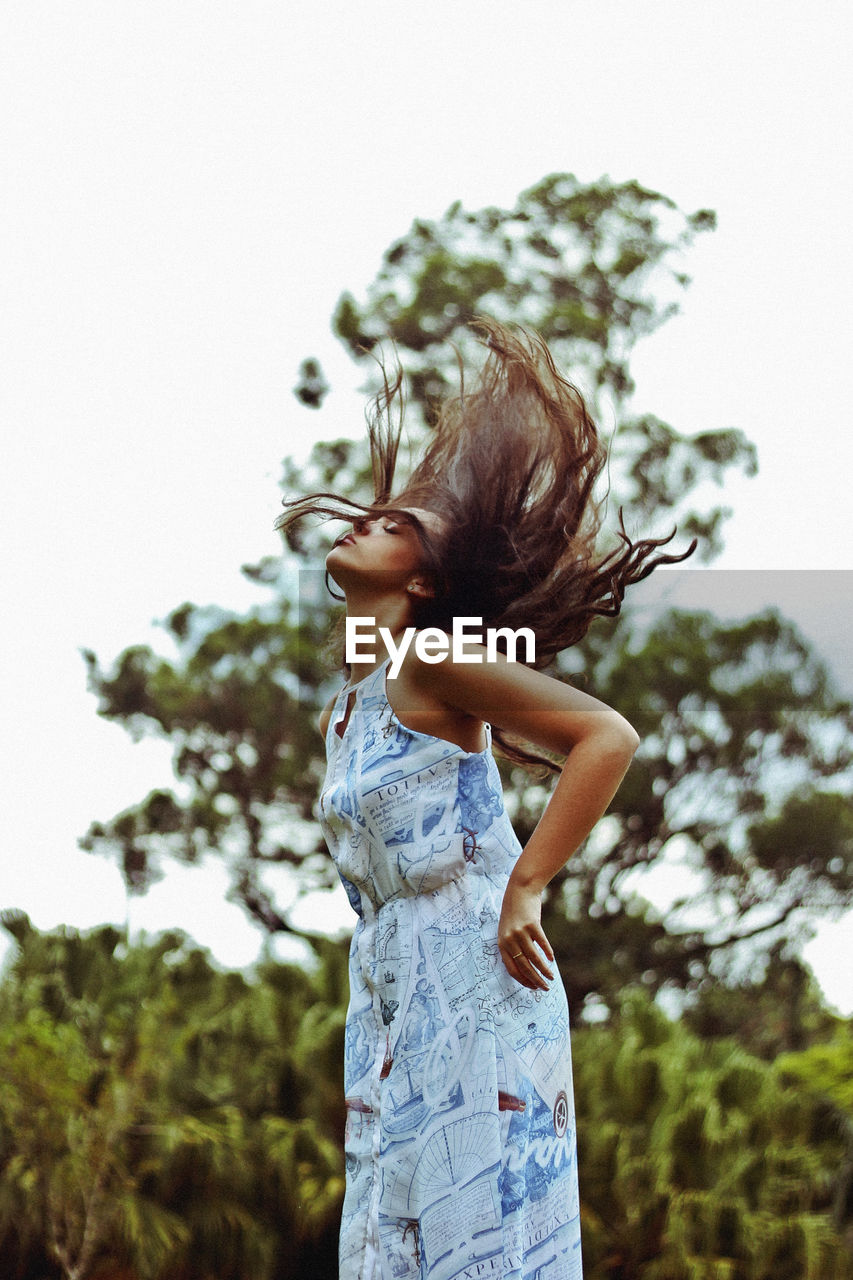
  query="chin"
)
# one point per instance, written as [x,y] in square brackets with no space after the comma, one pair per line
[334,563]
[335,555]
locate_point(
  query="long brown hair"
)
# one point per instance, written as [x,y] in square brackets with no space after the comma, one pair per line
[510,469]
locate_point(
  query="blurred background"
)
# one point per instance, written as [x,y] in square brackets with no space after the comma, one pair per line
[211,213]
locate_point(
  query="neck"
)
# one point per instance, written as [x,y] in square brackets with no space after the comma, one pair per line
[392,613]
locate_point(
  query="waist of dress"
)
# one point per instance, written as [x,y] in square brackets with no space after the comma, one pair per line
[382,873]
[467,892]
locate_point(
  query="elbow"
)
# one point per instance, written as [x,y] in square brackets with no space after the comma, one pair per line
[632,738]
[620,738]
[611,738]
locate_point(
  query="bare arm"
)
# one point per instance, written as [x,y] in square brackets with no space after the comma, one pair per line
[598,745]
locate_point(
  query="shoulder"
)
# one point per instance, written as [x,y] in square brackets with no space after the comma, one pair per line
[540,708]
[326,715]
[470,675]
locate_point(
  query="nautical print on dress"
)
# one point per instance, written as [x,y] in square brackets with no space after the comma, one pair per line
[460,1141]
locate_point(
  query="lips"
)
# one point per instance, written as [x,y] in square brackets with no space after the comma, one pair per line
[347,538]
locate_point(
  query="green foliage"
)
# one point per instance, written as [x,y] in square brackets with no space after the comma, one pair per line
[742,774]
[162,1120]
[696,1161]
[780,1012]
[311,388]
[575,261]
[155,1114]
[826,1069]
[240,706]
[593,268]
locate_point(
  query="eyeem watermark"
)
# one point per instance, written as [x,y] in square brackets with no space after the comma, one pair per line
[434,645]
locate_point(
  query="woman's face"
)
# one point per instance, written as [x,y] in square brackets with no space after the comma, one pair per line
[381,551]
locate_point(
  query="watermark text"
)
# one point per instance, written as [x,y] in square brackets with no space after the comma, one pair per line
[434,645]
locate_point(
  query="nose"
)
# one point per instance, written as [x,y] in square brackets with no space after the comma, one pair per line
[363,526]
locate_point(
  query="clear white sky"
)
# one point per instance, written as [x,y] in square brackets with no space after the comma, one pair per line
[188,188]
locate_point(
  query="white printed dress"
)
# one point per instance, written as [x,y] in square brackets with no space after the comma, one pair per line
[460,1145]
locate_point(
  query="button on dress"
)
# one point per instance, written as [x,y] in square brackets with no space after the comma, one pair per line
[460,1139]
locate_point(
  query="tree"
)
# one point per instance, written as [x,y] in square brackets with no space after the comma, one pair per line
[781,1011]
[743,769]
[593,268]
[160,1116]
[574,261]
[240,705]
[731,716]
[67,1110]
[826,1068]
[698,1161]
[825,1071]
[162,1120]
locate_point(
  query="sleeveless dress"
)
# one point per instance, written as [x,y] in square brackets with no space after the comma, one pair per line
[460,1140]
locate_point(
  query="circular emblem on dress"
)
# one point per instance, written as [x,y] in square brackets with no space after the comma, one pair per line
[561,1114]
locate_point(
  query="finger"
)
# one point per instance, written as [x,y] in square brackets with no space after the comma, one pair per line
[511,964]
[538,936]
[531,977]
[536,962]
[532,953]
[530,940]
[524,971]
[523,956]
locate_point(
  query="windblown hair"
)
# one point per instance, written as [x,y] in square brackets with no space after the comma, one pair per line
[510,469]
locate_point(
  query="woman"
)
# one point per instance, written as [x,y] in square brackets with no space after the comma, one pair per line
[460,1148]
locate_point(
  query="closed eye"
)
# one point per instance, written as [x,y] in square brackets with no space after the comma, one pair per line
[385,523]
